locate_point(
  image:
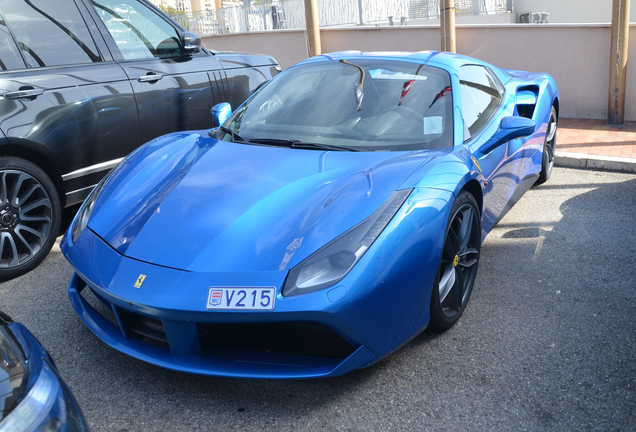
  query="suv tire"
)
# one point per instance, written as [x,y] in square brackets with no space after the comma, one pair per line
[30,214]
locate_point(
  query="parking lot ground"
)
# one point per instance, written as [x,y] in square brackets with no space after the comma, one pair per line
[548,341]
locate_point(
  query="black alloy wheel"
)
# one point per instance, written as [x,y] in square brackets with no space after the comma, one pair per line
[547,162]
[30,213]
[458,264]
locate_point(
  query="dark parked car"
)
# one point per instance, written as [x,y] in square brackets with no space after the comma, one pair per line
[82,84]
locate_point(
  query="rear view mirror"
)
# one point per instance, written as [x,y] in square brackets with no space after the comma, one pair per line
[191,43]
[221,112]
[510,128]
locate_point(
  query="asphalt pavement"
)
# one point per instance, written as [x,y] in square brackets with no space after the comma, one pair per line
[548,341]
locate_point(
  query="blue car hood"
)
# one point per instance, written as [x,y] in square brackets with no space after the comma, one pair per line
[190,202]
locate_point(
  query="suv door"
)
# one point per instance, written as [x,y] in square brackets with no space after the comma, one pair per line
[65,105]
[172,90]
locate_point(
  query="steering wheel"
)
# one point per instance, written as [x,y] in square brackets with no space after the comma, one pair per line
[270,104]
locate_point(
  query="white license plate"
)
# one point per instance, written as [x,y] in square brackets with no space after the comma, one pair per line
[241,298]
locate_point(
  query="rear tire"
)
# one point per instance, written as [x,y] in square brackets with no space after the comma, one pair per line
[30,213]
[549,148]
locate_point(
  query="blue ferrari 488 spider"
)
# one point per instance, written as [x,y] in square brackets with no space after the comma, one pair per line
[328,220]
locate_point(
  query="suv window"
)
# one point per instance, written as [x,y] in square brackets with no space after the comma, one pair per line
[138,31]
[49,33]
[9,56]
[481,94]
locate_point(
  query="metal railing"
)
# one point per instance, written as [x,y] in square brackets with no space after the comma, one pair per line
[290,14]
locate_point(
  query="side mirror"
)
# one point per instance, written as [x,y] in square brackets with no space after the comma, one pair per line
[510,128]
[191,43]
[221,112]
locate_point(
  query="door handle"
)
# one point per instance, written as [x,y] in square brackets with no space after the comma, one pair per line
[24,93]
[150,77]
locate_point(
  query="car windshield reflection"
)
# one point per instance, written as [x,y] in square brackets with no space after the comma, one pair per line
[364,105]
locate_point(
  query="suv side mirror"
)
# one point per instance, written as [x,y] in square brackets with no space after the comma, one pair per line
[191,43]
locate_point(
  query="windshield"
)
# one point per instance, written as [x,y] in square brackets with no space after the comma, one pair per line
[362,104]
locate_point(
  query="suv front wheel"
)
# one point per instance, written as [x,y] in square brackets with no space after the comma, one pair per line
[30,213]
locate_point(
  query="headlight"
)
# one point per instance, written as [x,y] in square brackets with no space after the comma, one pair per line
[34,409]
[332,263]
[13,372]
[47,406]
[81,220]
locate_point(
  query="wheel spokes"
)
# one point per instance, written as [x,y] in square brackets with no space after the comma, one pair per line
[453,239]
[447,281]
[470,257]
[27,214]
[38,234]
[458,291]
[449,251]
[16,189]
[35,204]
[25,243]
[3,189]
[550,150]
[552,127]
[24,197]
[10,258]
[465,228]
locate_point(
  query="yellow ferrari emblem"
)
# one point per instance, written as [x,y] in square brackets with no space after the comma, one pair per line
[456,260]
[140,281]
[476,163]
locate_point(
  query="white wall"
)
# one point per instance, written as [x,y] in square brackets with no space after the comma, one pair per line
[498,18]
[577,56]
[573,11]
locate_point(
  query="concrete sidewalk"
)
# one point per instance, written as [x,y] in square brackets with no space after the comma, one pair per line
[597,145]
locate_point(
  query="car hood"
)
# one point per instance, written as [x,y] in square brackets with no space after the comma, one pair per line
[190,202]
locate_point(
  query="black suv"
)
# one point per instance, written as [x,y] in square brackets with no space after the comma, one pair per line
[82,84]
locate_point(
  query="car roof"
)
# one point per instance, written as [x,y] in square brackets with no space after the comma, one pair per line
[445,60]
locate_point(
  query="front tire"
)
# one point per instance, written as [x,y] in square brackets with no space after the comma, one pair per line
[458,264]
[30,214]
[549,148]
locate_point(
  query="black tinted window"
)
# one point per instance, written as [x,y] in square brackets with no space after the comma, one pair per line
[138,32]
[49,32]
[481,95]
[9,55]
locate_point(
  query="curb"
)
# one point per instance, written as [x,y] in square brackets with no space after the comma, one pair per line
[609,163]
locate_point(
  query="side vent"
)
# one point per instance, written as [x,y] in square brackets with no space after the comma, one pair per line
[526,101]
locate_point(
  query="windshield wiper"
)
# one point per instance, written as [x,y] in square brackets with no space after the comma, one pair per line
[235,137]
[299,144]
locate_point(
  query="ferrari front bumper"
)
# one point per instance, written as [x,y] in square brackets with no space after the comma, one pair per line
[224,362]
